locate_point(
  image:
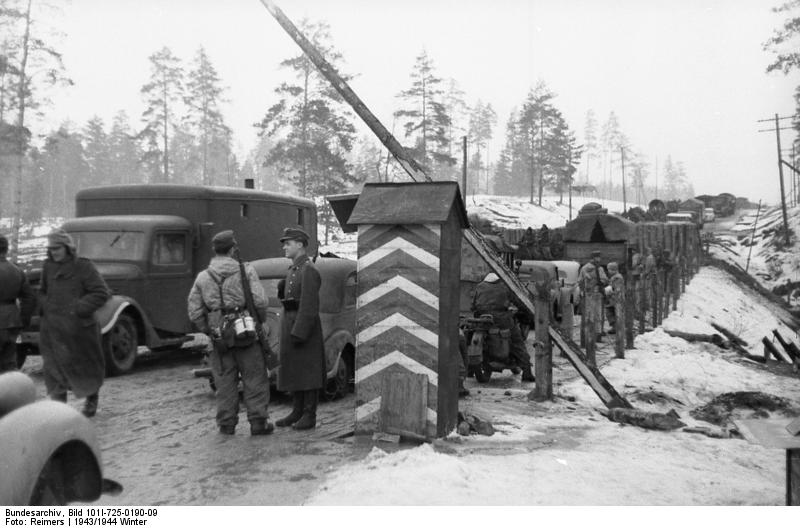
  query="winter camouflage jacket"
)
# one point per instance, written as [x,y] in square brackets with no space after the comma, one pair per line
[204,295]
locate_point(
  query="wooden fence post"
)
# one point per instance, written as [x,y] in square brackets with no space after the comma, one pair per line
[657,300]
[630,310]
[593,301]
[619,324]
[583,318]
[543,353]
[567,312]
[642,305]
[676,290]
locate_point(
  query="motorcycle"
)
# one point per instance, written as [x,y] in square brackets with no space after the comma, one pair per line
[488,348]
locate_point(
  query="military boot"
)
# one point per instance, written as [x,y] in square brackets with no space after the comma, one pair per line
[90,405]
[309,418]
[260,427]
[297,411]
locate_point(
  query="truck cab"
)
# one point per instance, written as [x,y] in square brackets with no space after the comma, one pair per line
[149,242]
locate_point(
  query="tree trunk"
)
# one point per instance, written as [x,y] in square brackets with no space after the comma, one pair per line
[21,89]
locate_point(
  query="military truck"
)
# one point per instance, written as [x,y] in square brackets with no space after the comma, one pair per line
[149,242]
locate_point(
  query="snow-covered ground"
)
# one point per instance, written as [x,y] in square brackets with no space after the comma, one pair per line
[770,262]
[566,453]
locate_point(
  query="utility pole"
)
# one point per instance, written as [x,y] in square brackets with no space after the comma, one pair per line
[624,194]
[777,131]
[464,168]
[656,176]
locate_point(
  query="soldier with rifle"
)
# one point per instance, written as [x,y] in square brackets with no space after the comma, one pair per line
[218,307]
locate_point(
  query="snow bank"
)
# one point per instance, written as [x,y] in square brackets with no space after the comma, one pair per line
[570,455]
[612,465]
[772,264]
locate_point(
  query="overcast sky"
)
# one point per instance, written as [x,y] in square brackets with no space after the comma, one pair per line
[685,77]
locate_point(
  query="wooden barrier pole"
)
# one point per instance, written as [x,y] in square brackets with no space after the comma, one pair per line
[543,354]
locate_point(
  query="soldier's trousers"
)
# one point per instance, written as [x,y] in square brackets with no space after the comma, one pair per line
[8,349]
[227,365]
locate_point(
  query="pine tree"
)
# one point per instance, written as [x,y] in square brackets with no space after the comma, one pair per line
[24,49]
[311,127]
[783,43]
[124,151]
[504,181]
[482,121]
[425,118]
[162,94]
[64,170]
[97,151]
[204,118]
[590,140]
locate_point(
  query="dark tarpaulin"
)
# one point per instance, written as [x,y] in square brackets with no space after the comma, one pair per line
[599,228]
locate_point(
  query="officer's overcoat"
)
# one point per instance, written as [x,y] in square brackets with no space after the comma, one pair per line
[302,352]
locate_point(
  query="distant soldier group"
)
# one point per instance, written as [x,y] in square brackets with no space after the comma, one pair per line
[541,244]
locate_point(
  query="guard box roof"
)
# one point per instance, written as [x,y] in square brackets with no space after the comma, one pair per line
[402,203]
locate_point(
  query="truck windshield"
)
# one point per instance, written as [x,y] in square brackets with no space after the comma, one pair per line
[110,245]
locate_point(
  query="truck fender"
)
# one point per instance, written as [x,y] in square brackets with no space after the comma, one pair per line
[36,433]
[334,346]
[108,315]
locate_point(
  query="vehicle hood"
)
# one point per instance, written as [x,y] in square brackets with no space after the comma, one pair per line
[118,270]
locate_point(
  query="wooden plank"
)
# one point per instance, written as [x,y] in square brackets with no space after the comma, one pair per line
[630,310]
[404,403]
[599,384]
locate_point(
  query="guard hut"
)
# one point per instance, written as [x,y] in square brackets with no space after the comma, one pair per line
[409,256]
[596,230]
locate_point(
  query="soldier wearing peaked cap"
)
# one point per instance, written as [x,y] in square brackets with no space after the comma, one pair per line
[302,349]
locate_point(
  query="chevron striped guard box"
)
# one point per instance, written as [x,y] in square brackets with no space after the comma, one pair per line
[409,255]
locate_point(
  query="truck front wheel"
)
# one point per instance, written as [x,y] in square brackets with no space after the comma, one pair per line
[120,345]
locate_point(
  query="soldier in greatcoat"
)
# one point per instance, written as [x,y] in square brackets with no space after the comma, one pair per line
[71,292]
[302,349]
[13,286]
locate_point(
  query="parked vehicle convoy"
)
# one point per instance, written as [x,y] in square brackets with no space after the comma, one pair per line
[337,309]
[149,242]
[709,215]
[50,453]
